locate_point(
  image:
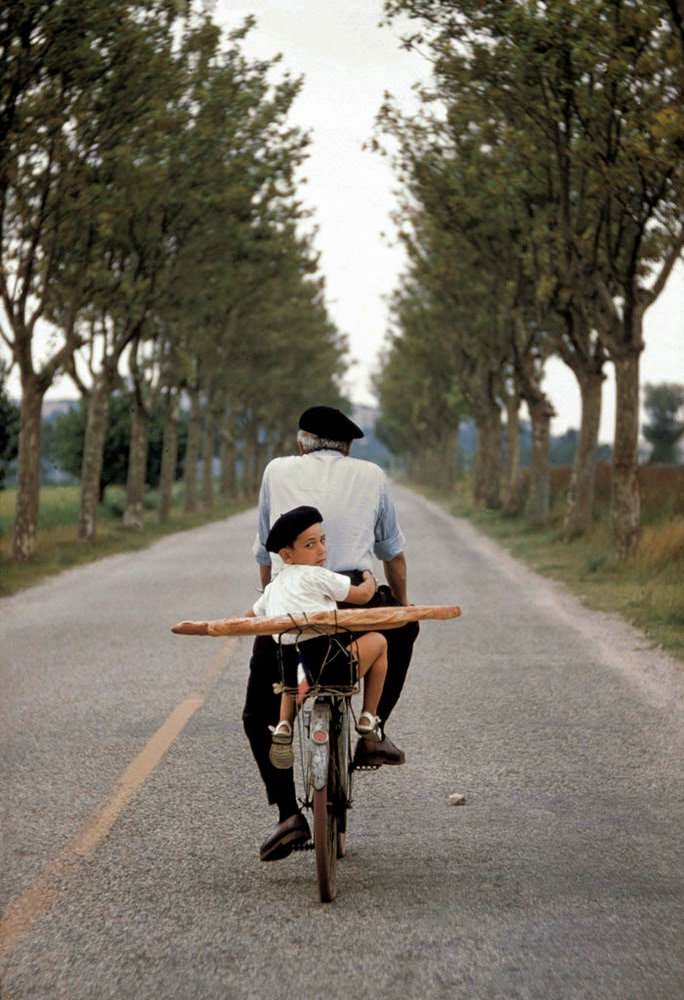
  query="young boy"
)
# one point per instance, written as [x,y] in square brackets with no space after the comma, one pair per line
[304,584]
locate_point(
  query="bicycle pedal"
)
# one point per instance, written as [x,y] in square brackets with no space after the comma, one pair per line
[307,845]
[366,767]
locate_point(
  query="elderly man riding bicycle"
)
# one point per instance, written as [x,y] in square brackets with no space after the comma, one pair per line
[361,523]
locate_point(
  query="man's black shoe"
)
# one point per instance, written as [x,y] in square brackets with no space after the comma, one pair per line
[289,834]
[371,754]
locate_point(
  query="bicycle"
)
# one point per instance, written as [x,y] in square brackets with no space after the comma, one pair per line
[324,724]
[325,755]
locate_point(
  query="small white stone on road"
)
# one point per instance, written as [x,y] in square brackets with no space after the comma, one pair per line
[456,799]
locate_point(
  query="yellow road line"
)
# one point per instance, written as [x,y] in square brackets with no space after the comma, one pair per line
[39,898]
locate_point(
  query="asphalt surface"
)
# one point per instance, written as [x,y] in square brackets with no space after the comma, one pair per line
[561,877]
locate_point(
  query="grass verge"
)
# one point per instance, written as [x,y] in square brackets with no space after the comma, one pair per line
[57,548]
[647,590]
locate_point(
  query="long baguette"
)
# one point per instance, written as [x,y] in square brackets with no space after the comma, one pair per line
[348,619]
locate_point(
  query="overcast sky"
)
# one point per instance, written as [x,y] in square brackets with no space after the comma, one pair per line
[348,62]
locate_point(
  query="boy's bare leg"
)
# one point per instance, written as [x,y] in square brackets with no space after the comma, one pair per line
[287,708]
[373,750]
[371,654]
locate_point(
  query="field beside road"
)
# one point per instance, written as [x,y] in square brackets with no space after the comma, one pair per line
[648,590]
[57,548]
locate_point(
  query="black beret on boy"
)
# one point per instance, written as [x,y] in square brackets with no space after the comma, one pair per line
[288,526]
[327,422]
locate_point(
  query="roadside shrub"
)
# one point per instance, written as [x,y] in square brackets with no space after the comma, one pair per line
[114,504]
[661,488]
[663,542]
[662,491]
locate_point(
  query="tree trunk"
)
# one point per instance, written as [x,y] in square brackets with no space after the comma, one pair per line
[456,453]
[444,460]
[625,501]
[540,472]
[227,485]
[251,467]
[487,479]
[240,468]
[260,462]
[208,463]
[93,451]
[478,464]
[134,515]
[284,445]
[28,475]
[167,475]
[192,453]
[511,502]
[433,472]
[580,499]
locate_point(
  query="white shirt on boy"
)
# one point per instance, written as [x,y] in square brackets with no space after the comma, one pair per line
[301,588]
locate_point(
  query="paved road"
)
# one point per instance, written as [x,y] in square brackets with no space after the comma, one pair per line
[132,812]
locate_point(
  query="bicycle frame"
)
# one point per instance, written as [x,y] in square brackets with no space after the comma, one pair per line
[326,737]
[322,705]
[319,742]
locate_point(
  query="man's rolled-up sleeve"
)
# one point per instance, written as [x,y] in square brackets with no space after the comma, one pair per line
[389,538]
[261,553]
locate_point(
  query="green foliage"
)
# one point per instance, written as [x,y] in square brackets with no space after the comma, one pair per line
[150,214]
[542,192]
[663,404]
[563,449]
[418,385]
[68,435]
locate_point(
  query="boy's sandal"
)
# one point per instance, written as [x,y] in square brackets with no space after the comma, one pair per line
[282,733]
[368,725]
[281,754]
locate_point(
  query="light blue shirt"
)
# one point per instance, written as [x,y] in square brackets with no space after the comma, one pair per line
[353,496]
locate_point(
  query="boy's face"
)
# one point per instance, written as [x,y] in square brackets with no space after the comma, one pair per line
[308,548]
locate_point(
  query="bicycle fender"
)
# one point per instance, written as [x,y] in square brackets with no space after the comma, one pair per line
[320,745]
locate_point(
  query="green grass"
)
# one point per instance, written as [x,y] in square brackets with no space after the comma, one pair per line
[647,590]
[57,548]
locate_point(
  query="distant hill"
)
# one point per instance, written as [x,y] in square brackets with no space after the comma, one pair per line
[562,450]
[369,447]
[53,408]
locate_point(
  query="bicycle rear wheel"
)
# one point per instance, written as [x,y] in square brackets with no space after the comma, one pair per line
[331,804]
[325,842]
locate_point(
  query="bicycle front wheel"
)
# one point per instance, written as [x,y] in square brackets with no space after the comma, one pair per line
[325,843]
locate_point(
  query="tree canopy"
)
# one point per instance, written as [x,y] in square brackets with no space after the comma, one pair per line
[664,429]
[543,184]
[149,213]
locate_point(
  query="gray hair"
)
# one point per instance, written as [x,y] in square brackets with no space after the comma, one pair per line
[312,442]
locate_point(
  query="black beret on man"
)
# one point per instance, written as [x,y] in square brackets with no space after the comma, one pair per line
[327,422]
[290,525]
